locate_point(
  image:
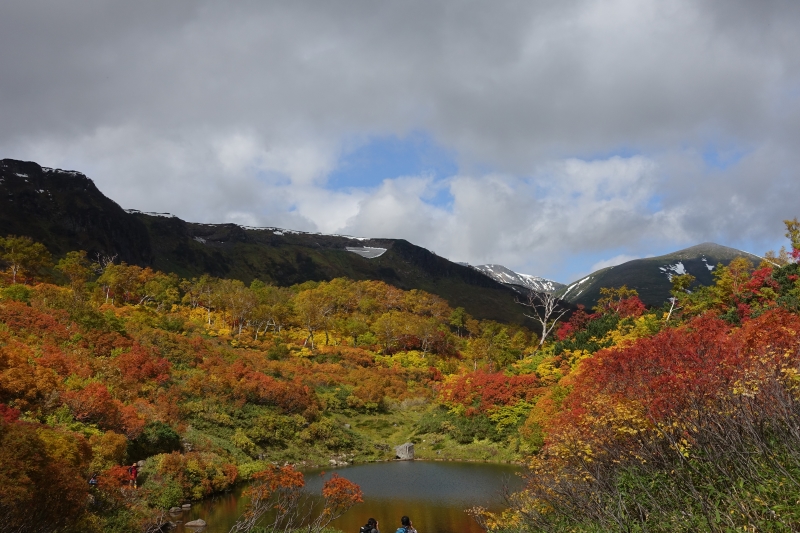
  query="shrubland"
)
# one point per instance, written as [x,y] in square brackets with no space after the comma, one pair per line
[683,418]
[680,418]
[210,381]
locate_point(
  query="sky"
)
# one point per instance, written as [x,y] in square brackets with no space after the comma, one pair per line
[552,137]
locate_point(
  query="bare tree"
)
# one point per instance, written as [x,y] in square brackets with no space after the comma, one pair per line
[547,310]
[101,263]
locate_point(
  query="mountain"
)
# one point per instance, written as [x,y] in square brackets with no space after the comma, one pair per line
[513,279]
[65,211]
[652,276]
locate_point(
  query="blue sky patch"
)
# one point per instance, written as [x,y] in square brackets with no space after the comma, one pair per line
[721,159]
[384,157]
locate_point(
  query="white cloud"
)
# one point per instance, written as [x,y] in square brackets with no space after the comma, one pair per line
[612,261]
[239,113]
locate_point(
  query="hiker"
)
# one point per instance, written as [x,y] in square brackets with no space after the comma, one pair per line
[370,527]
[406,526]
[133,470]
[93,480]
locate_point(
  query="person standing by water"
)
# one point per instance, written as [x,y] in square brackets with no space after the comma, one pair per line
[406,526]
[370,527]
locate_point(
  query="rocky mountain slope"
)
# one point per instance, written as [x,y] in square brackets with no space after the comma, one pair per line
[652,276]
[518,281]
[65,211]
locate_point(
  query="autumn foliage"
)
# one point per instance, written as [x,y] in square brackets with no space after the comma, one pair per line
[630,419]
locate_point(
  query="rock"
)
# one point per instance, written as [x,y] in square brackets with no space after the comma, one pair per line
[140,464]
[196,523]
[404,452]
[186,506]
[347,426]
[175,510]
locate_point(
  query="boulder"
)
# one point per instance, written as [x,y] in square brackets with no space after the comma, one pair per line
[186,506]
[196,523]
[404,452]
[175,510]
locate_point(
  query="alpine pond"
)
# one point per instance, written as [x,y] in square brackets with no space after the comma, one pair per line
[433,494]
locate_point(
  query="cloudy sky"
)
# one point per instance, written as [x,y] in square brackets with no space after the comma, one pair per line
[552,137]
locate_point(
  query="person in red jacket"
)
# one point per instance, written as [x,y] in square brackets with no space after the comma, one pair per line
[133,470]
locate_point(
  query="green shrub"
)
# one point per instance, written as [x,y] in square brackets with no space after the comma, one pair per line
[18,293]
[433,421]
[163,493]
[157,437]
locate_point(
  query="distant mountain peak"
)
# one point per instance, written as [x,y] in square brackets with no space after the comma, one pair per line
[507,276]
[652,276]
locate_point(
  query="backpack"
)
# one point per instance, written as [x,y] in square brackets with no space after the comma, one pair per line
[365,529]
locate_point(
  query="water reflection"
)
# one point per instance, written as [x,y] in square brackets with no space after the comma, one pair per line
[433,494]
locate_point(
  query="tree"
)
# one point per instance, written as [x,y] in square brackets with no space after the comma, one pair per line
[781,258]
[278,493]
[730,281]
[680,287]
[547,311]
[238,300]
[619,300]
[313,308]
[23,256]
[273,307]
[199,292]
[77,269]
[42,483]
[793,233]
[458,319]
[123,283]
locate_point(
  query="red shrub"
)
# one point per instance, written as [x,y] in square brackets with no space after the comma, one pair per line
[667,372]
[291,397]
[140,365]
[8,414]
[95,404]
[479,391]
[23,319]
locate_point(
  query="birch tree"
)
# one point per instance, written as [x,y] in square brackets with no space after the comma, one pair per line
[23,256]
[547,310]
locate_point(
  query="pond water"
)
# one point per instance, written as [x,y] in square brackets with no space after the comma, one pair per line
[433,494]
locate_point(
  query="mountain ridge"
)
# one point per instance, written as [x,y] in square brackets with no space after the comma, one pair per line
[65,211]
[652,277]
[506,276]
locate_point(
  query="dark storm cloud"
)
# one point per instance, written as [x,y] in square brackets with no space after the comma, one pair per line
[219,111]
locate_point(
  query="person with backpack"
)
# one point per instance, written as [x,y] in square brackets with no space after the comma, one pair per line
[370,527]
[406,526]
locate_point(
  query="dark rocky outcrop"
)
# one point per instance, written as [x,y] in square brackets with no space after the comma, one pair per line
[65,211]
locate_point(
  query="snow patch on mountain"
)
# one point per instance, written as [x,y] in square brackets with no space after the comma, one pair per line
[366,251]
[673,270]
[59,171]
[578,287]
[509,277]
[152,214]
